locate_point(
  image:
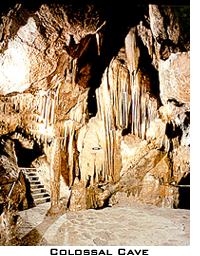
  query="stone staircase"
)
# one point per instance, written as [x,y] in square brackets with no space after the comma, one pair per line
[37,189]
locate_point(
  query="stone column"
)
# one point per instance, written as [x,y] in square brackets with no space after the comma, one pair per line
[55,172]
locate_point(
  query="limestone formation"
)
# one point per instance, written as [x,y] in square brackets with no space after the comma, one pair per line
[98,101]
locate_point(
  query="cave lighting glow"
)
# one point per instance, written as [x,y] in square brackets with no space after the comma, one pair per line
[14,68]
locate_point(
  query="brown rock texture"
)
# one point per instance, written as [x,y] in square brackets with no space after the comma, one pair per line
[98,104]
[175,78]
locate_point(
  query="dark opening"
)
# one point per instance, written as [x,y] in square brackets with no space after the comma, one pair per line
[173,131]
[119,22]
[1,209]
[145,64]
[26,156]
[184,193]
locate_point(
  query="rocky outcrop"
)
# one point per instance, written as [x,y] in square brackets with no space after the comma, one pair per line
[104,100]
[174,74]
[12,193]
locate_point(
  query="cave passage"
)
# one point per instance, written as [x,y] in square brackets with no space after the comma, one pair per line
[26,156]
[184,193]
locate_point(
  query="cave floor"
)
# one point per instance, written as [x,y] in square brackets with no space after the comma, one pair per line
[121,225]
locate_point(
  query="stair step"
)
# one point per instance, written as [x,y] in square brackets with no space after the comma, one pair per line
[25,169]
[42,200]
[40,195]
[38,190]
[33,177]
[37,186]
[35,182]
[31,174]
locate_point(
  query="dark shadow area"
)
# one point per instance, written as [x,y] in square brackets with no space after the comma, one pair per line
[181,14]
[119,20]
[1,209]
[36,234]
[28,201]
[127,131]
[187,119]
[145,64]
[184,193]
[26,156]
[173,131]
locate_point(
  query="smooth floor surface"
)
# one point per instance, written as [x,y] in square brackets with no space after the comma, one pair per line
[120,225]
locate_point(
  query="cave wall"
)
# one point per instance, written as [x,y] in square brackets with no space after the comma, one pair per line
[107,100]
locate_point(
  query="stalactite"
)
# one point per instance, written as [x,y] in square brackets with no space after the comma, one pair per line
[74,67]
[98,43]
[67,131]
[43,106]
[52,111]
[46,115]
[132,50]
[107,113]
[144,104]
[123,101]
[142,107]
[70,154]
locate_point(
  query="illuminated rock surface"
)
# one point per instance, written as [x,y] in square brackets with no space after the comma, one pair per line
[99,106]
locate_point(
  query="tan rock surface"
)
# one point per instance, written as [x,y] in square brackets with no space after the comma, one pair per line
[105,99]
[174,75]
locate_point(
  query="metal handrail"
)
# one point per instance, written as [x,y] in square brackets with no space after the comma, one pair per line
[11,189]
[181,186]
[22,168]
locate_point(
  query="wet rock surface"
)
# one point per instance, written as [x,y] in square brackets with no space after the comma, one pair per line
[121,225]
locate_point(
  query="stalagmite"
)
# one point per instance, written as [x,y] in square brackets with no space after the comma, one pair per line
[55,173]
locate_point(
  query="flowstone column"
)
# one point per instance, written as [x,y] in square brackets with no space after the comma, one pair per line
[55,172]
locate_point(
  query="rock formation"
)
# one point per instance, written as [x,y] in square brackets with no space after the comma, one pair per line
[98,105]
